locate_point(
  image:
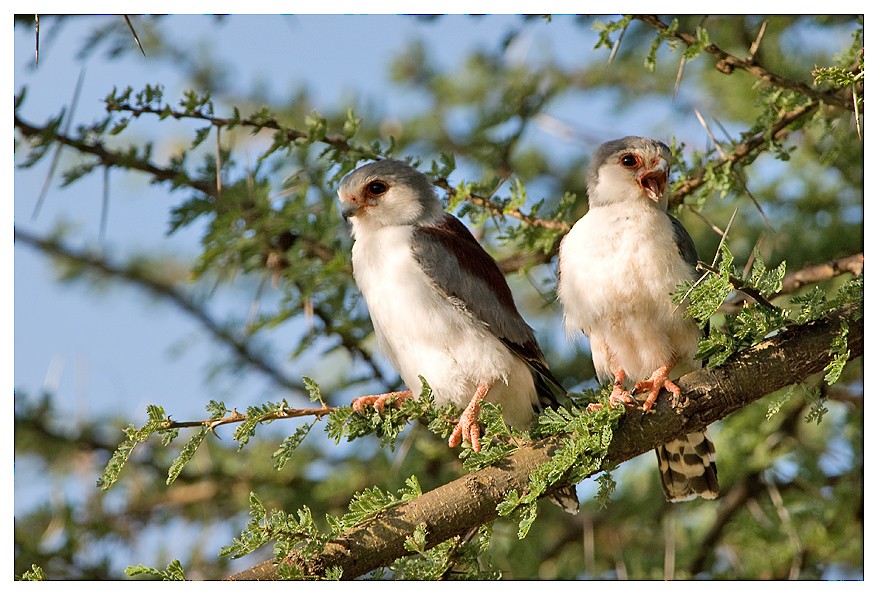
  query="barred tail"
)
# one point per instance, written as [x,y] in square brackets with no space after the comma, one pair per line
[566,498]
[687,468]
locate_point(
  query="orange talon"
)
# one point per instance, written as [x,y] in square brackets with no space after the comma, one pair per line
[467,427]
[379,401]
[619,396]
[655,383]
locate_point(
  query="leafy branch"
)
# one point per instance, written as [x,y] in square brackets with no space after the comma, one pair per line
[744,150]
[728,62]
[449,510]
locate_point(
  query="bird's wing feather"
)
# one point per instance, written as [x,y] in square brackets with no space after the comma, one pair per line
[685,244]
[687,250]
[460,268]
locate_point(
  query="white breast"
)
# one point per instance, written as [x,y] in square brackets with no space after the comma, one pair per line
[619,266]
[425,334]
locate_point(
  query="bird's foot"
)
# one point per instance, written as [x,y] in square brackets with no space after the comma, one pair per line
[467,427]
[619,396]
[654,384]
[379,401]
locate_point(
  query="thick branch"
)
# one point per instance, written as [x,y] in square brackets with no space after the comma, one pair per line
[708,395]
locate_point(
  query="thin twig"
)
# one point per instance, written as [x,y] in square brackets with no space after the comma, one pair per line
[679,77]
[105,207]
[778,131]
[235,417]
[116,159]
[793,281]
[495,209]
[242,347]
[738,284]
[56,157]
[219,164]
[617,44]
[716,255]
[754,47]
[737,174]
[134,33]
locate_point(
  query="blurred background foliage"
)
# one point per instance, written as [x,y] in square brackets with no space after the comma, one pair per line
[506,135]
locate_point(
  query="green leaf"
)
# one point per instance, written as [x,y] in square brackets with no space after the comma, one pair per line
[417,541]
[134,436]
[816,400]
[313,390]
[766,282]
[285,451]
[777,403]
[840,354]
[34,574]
[186,454]
[173,572]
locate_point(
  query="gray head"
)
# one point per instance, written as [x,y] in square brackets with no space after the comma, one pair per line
[387,192]
[629,168]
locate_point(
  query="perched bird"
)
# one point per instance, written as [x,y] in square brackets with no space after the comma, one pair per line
[618,267]
[440,305]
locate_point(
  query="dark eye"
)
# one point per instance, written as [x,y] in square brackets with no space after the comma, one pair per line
[629,160]
[376,188]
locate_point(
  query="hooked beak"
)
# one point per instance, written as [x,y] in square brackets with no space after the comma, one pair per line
[655,182]
[349,207]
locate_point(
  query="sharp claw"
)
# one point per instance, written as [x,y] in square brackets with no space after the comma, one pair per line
[474,436]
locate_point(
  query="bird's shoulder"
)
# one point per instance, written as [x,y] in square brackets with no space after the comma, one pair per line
[451,255]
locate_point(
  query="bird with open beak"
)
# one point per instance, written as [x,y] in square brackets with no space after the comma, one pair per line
[440,305]
[618,268]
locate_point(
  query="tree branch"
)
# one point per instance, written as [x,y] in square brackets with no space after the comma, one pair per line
[336,141]
[495,209]
[816,273]
[727,63]
[242,347]
[707,396]
[780,130]
[110,158]
[239,343]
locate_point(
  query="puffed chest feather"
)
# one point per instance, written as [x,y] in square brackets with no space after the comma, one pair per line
[422,331]
[619,268]
[396,289]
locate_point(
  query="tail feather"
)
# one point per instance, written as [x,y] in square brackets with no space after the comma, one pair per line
[566,498]
[688,468]
[550,393]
